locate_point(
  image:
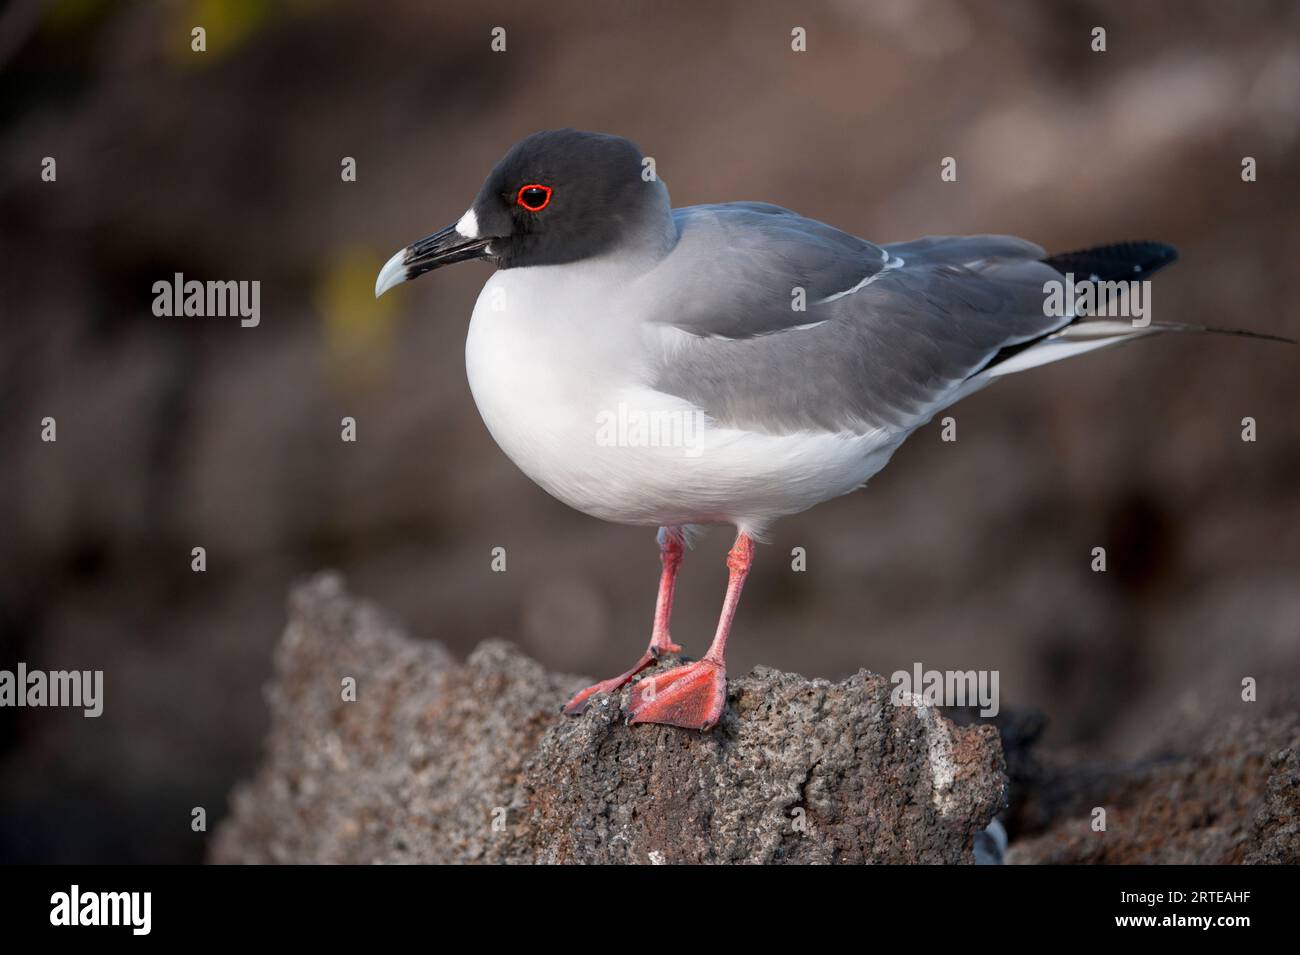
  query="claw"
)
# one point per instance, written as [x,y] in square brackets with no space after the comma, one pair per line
[657,650]
[578,705]
[581,700]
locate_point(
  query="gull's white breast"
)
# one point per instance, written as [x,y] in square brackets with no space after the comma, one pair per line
[560,364]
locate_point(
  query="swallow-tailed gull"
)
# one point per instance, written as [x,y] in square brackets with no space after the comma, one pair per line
[731,363]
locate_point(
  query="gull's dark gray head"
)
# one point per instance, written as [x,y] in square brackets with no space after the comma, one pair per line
[557,196]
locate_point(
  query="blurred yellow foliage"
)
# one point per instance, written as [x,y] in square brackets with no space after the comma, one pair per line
[228,23]
[70,15]
[359,330]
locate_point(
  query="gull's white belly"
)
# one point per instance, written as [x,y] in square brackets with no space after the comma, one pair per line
[564,394]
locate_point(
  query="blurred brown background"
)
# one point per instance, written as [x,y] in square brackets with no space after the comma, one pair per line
[180,432]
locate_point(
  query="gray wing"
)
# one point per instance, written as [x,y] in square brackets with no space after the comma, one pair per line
[890,333]
[736,264]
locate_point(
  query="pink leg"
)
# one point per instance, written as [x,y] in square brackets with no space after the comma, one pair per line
[671,549]
[693,696]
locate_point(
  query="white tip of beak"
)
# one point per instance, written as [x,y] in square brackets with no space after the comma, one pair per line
[393,273]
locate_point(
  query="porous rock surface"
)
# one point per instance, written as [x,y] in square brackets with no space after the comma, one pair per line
[439,761]
[1225,791]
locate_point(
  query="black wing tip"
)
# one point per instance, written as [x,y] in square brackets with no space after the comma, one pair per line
[1120,260]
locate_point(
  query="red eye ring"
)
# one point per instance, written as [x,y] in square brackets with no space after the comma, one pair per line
[534,206]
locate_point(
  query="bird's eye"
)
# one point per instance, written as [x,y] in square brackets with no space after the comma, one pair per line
[534,197]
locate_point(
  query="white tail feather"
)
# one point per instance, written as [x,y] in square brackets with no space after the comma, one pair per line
[1077,339]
